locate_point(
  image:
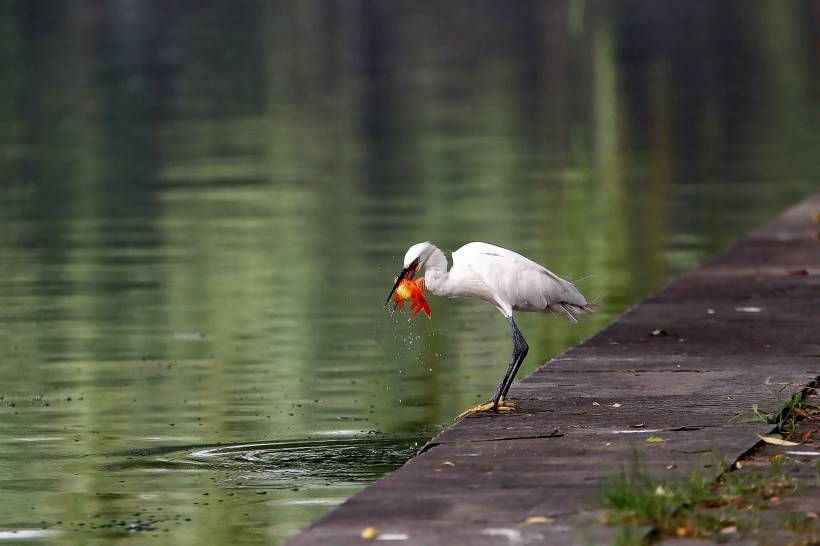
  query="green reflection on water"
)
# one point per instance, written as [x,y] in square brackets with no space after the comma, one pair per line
[203,209]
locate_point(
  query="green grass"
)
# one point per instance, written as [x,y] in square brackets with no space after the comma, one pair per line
[634,496]
[700,504]
[796,523]
[816,466]
[629,535]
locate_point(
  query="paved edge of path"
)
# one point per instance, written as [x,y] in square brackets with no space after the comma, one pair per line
[740,330]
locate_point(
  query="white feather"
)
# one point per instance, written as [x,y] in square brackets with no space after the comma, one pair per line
[502,277]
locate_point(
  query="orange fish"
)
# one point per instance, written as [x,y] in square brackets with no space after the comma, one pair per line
[414,291]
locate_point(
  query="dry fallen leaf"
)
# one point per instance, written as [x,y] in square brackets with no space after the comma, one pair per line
[596,404]
[811,515]
[671,466]
[775,440]
[655,440]
[806,436]
[538,519]
[443,464]
[729,530]
[616,405]
[797,272]
[369,533]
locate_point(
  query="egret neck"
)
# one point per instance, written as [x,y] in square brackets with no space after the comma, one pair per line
[436,277]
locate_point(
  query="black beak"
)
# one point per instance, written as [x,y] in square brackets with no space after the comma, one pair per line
[405,273]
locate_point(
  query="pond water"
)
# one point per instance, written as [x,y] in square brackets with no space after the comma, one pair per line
[203,207]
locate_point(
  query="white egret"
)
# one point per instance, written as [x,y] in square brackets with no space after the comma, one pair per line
[503,278]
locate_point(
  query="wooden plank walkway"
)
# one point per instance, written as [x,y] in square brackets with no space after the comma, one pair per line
[740,328]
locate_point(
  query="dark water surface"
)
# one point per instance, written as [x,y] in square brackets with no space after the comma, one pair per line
[203,206]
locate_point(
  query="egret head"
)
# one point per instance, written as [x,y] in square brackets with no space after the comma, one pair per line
[418,253]
[414,260]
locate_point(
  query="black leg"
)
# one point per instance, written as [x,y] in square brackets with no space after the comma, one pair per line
[520,349]
[500,392]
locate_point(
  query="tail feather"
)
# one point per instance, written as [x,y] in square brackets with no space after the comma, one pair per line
[571,312]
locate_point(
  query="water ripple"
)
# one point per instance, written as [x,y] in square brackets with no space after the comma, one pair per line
[306,463]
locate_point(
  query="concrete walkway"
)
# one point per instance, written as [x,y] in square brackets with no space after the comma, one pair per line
[731,334]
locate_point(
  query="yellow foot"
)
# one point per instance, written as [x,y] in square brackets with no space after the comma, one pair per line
[503,407]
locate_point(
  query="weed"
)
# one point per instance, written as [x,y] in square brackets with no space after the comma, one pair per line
[786,417]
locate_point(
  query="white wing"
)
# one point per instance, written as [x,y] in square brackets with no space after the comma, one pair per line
[517,283]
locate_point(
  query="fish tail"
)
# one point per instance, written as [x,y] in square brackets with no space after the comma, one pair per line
[416,308]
